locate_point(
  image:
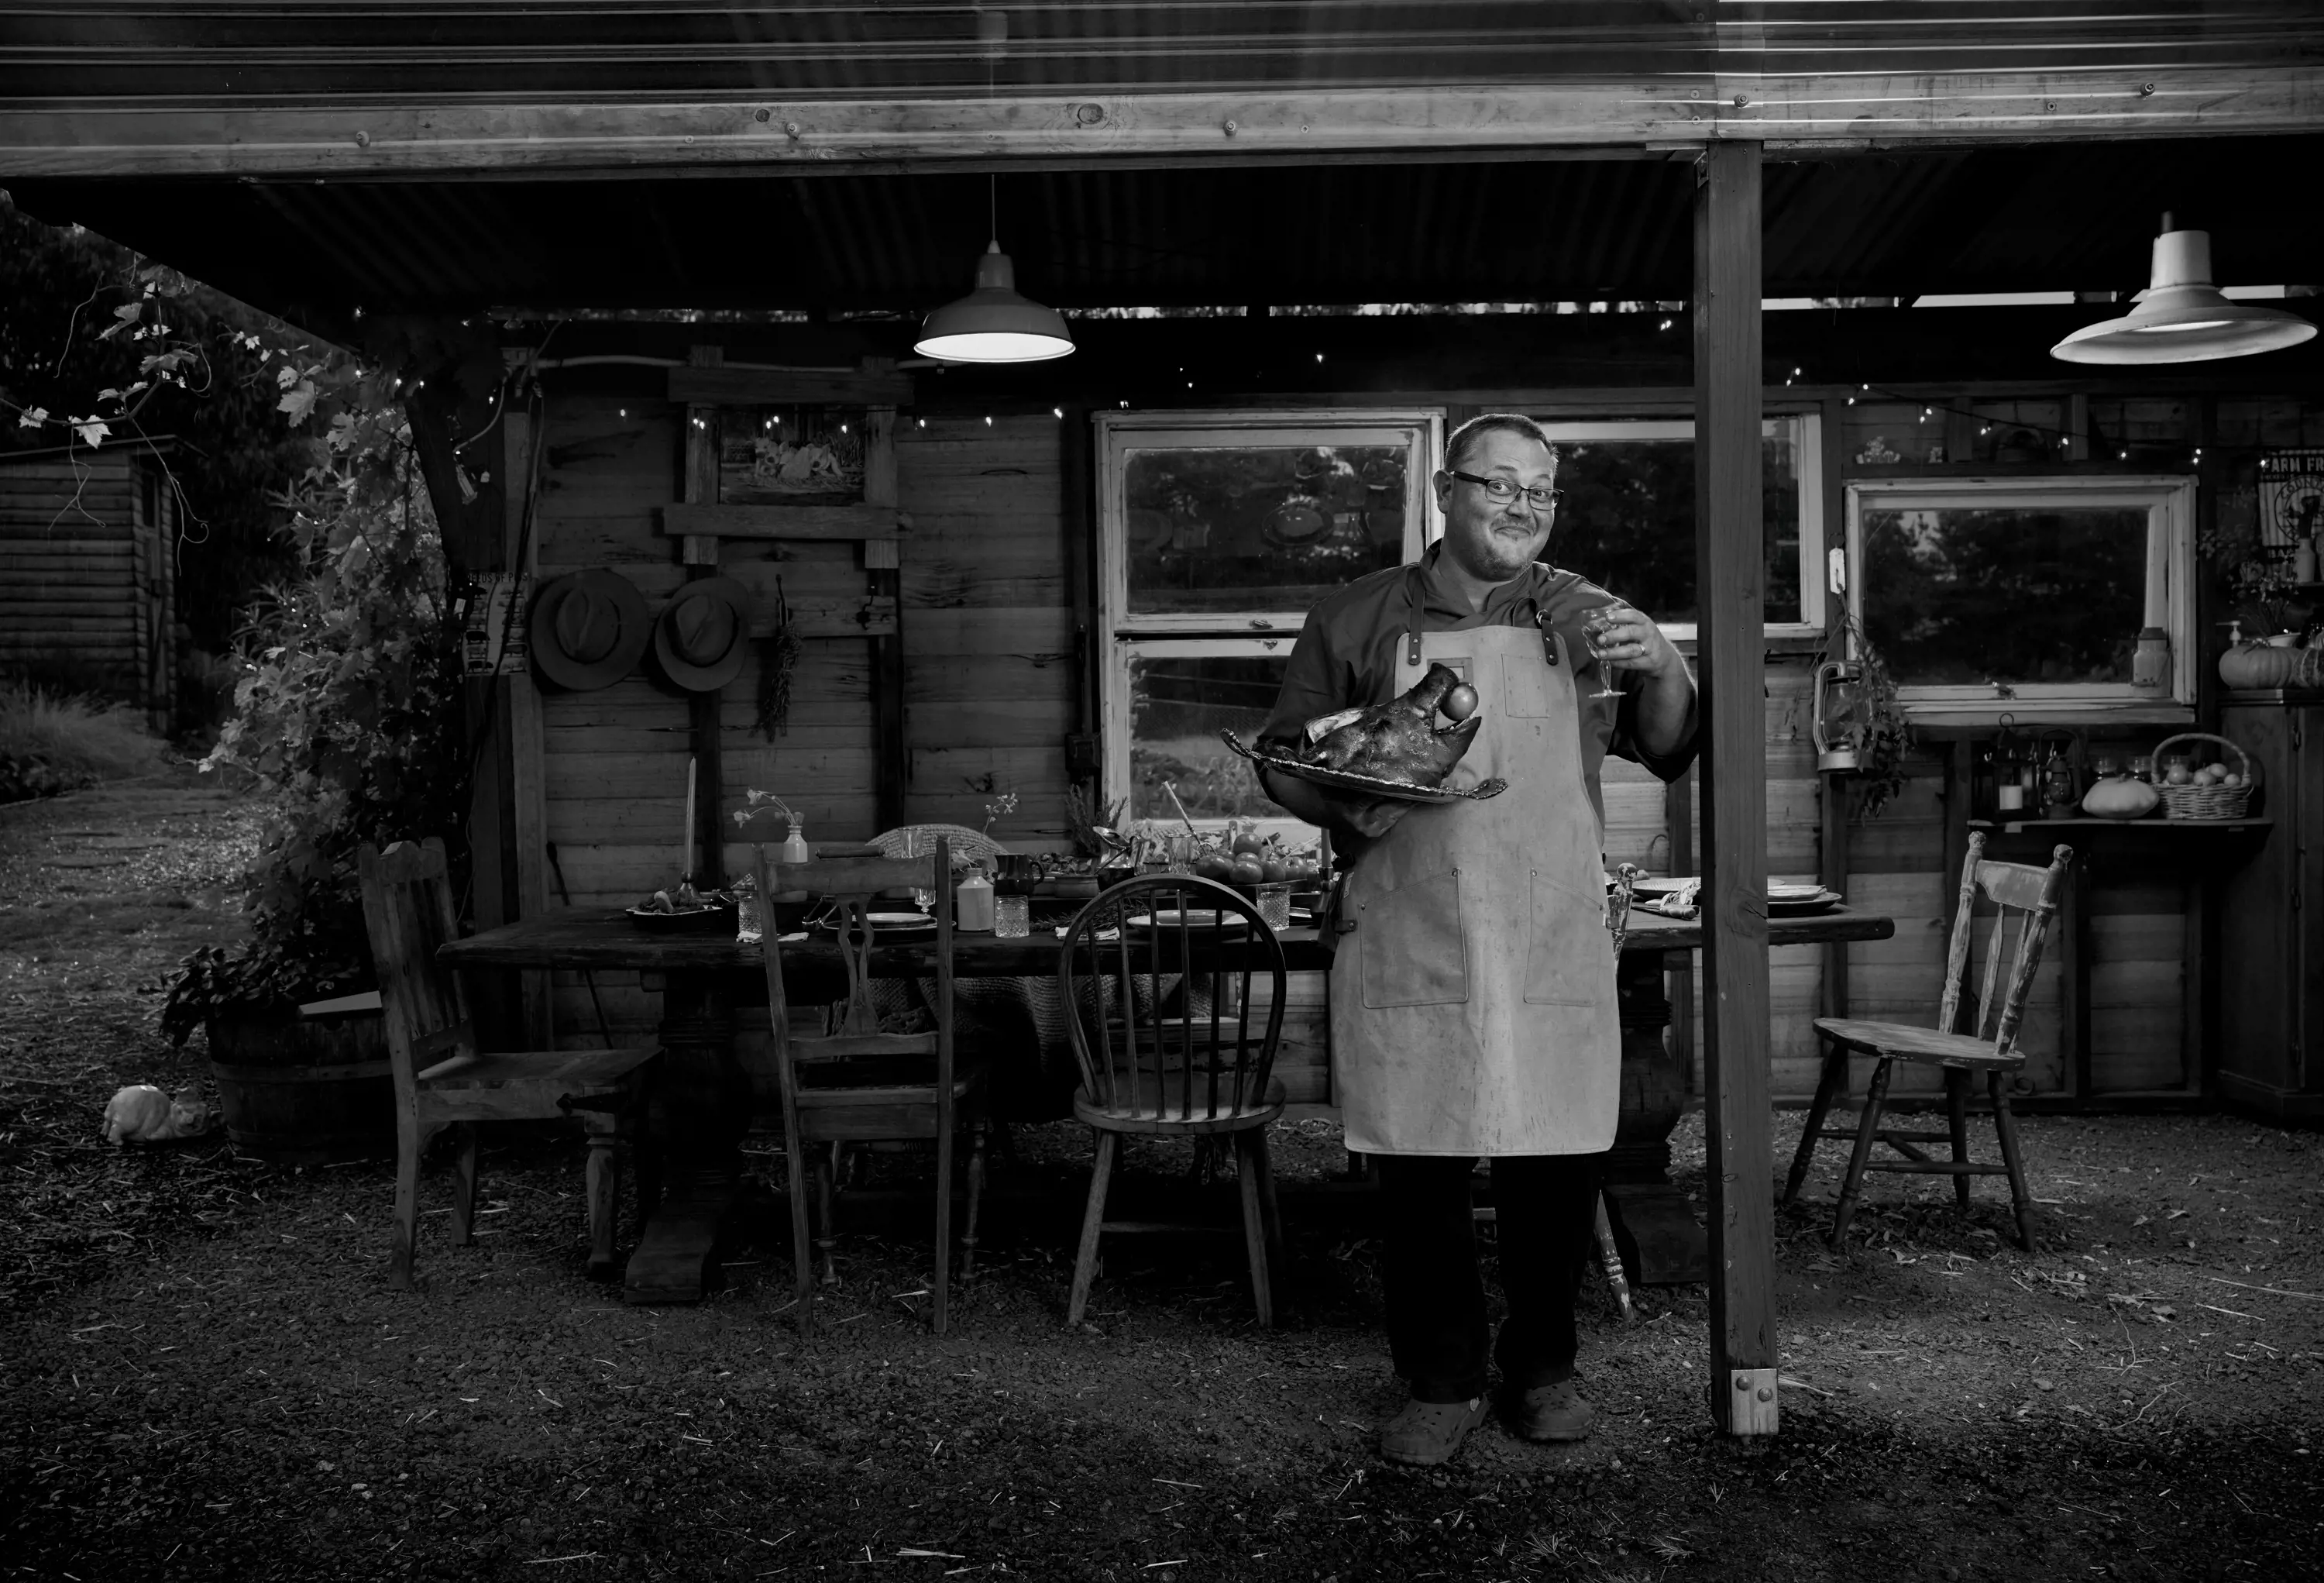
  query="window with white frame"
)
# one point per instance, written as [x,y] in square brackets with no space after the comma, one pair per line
[1217,532]
[2010,593]
[1627,518]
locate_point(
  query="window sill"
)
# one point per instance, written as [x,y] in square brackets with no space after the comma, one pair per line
[1785,642]
[1986,713]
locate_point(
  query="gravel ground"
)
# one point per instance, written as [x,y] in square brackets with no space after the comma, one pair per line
[208,1377]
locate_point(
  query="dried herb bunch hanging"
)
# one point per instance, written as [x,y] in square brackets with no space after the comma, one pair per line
[777,663]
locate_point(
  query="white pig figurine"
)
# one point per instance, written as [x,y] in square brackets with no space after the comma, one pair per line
[142,1114]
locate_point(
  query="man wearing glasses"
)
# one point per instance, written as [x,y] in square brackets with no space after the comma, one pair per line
[1472,994]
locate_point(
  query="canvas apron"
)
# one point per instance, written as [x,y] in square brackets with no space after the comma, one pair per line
[1473,1000]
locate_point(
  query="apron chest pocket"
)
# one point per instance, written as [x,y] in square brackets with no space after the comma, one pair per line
[1525,687]
[1414,952]
[1565,963]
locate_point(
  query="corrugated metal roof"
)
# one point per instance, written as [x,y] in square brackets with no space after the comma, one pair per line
[2071,216]
[292,51]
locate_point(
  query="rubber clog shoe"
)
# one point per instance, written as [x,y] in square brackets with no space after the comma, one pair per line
[1552,1412]
[1423,1434]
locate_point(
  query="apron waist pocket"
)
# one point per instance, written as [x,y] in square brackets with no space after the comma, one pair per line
[1567,962]
[1413,950]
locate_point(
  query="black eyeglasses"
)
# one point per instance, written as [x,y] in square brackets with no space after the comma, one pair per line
[1500,491]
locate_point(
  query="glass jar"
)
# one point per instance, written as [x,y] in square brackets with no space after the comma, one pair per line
[750,915]
[2008,792]
[1179,851]
[1012,915]
[1274,904]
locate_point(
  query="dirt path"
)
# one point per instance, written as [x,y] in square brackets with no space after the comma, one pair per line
[207,1376]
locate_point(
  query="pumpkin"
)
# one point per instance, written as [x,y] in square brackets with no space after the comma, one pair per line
[2120,797]
[2256,666]
[2310,672]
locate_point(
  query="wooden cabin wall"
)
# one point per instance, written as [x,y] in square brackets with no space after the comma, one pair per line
[988,622]
[1794,833]
[991,691]
[86,582]
[615,759]
[2145,1027]
[990,663]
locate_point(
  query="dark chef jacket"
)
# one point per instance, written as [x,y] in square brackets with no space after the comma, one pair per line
[1345,657]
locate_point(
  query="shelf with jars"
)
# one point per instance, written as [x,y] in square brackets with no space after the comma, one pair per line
[2137,875]
[2055,777]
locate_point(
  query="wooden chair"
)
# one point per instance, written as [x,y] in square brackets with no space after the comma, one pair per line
[2018,890]
[919,840]
[441,1079]
[857,1084]
[1185,1063]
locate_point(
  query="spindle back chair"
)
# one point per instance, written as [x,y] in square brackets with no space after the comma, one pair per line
[1156,977]
[2020,892]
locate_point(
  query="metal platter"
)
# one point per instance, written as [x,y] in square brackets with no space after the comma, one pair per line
[890,926]
[712,920]
[1371,785]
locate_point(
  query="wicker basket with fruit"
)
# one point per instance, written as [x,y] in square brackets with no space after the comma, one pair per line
[2212,791]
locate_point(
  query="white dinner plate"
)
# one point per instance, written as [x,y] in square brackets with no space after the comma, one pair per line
[1192,917]
[889,922]
[1775,893]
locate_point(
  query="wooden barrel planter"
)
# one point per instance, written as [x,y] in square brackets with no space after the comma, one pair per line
[305,1090]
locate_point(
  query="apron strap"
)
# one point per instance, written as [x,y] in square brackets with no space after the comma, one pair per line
[1553,642]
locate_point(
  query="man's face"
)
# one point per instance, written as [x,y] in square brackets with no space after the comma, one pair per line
[1492,542]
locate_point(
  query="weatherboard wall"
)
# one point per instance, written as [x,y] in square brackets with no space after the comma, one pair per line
[992,688]
[87,588]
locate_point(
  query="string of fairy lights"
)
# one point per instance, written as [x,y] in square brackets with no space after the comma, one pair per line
[2063,439]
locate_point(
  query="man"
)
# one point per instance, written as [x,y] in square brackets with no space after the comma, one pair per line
[1472,996]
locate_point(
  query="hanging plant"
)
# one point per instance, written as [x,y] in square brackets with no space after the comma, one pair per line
[779,663]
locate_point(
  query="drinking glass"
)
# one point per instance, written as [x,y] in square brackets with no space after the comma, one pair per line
[925,899]
[1181,853]
[1598,626]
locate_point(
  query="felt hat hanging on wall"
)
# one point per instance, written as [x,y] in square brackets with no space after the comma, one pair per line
[589,629]
[704,635]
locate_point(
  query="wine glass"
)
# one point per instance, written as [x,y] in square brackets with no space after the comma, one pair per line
[1599,627]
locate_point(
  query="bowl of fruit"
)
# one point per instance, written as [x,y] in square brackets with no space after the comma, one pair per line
[1258,867]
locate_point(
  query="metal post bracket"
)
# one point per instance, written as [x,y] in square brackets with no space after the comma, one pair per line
[1752,1408]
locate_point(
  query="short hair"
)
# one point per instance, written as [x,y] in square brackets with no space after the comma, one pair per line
[1465,437]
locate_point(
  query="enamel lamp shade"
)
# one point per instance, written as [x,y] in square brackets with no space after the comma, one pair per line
[994,324]
[2181,316]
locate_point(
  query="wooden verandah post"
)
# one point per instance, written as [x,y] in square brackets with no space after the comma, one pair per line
[1730,576]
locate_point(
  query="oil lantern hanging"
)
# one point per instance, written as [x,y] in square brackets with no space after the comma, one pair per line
[1839,721]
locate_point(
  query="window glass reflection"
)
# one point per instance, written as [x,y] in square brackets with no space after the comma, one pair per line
[1261,528]
[1178,703]
[1959,597]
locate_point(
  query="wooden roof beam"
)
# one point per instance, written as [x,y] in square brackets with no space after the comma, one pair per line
[349,141]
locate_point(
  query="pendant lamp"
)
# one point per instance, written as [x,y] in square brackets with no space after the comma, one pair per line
[2181,316]
[994,324]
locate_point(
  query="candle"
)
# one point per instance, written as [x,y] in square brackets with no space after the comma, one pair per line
[685,846]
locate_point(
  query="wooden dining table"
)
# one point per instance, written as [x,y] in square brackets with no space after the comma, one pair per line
[703,1097]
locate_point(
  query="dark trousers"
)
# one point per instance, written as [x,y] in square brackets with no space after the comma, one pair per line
[1545,1212]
